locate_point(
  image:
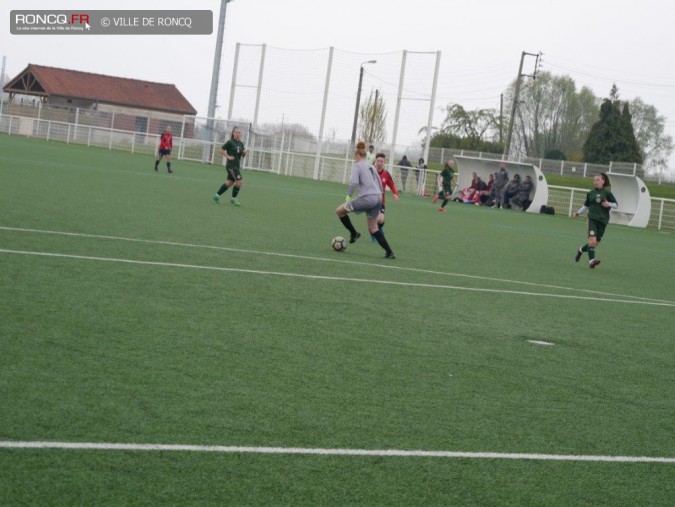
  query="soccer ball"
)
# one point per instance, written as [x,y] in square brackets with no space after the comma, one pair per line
[338,243]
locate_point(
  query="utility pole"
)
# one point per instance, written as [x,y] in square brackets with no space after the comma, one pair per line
[516,99]
[358,100]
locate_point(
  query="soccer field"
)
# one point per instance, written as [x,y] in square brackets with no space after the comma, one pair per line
[157,348]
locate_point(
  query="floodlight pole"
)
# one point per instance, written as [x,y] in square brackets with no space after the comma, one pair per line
[215,73]
[358,100]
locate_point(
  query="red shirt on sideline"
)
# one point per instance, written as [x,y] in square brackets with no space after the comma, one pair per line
[166,141]
[387,181]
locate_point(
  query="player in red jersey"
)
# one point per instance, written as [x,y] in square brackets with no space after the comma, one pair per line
[165,147]
[387,181]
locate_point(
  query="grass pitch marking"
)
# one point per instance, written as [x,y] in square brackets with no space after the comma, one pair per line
[539,342]
[327,278]
[7,444]
[324,259]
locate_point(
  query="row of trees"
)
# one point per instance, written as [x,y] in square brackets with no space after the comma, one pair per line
[554,120]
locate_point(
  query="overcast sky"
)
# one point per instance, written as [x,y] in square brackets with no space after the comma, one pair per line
[596,42]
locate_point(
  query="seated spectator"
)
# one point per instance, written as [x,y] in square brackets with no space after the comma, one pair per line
[467,195]
[475,193]
[511,190]
[482,191]
[487,195]
[522,198]
[490,181]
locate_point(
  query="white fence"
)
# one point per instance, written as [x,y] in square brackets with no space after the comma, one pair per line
[567,200]
[280,155]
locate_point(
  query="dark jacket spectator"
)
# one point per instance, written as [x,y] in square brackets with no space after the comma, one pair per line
[511,190]
[404,163]
[522,198]
[501,181]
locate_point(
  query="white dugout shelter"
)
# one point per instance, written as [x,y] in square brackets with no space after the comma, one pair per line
[484,167]
[632,195]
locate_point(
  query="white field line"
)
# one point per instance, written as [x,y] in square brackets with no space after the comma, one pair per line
[329,278]
[8,444]
[323,259]
[539,342]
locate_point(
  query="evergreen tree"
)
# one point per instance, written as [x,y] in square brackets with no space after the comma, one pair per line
[631,149]
[612,137]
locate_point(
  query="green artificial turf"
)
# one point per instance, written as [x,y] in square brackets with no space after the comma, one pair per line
[135,310]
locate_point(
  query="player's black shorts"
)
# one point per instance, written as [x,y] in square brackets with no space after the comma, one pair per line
[164,152]
[233,173]
[596,228]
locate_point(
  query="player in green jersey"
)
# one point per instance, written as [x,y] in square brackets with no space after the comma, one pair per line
[598,203]
[445,184]
[233,150]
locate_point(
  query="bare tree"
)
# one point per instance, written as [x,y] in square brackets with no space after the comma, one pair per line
[649,126]
[552,116]
[372,119]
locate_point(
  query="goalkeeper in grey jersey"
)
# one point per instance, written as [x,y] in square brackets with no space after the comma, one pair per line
[369,201]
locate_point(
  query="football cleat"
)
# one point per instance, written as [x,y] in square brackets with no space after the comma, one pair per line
[593,263]
[578,255]
[354,237]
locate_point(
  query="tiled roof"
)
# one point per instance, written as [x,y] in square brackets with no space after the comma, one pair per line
[107,89]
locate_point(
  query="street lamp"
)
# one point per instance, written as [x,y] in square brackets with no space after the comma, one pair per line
[358,100]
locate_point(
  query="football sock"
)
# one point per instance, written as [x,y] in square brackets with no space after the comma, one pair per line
[156,163]
[168,166]
[584,248]
[222,189]
[379,236]
[591,253]
[445,201]
[235,191]
[346,221]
